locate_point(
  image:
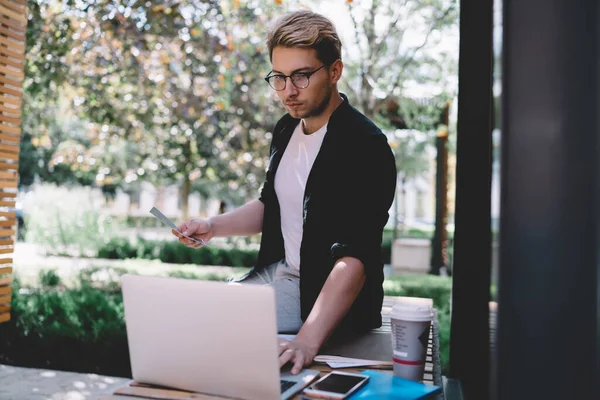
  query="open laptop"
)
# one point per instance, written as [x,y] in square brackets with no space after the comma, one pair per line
[206,337]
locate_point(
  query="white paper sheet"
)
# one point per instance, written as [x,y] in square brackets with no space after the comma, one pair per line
[345,362]
[341,362]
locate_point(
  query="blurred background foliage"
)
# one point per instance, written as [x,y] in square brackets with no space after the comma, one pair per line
[171,92]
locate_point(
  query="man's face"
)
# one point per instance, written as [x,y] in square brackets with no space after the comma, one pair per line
[312,100]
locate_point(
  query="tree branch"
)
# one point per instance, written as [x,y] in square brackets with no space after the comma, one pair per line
[411,59]
[361,62]
[355,26]
[370,29]
[391,28]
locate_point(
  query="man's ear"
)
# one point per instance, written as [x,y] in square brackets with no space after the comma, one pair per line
[335,70]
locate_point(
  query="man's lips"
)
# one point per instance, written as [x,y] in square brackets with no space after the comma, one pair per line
[293,104]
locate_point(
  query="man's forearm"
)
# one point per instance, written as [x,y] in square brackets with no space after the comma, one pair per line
[243,221]
[337,296]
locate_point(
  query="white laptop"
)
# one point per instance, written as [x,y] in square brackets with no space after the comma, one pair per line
[207,337]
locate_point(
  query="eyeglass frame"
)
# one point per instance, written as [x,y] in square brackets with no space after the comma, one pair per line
[306,74]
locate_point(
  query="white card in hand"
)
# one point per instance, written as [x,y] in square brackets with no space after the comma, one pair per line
[154,211]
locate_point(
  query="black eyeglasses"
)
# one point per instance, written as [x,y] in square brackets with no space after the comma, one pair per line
[299,79]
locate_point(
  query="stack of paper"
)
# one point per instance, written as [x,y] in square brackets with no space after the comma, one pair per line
[345,362]
[342,362]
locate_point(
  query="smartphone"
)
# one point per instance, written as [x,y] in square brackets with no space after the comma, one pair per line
[336,385]
[156,212]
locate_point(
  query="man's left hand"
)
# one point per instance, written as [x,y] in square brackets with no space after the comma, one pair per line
[297,352]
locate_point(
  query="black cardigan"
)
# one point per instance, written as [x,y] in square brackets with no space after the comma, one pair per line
[348,193]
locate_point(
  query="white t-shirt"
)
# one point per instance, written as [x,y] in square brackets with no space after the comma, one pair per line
[290,182]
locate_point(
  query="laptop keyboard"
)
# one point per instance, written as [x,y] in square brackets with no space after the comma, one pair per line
[285,385]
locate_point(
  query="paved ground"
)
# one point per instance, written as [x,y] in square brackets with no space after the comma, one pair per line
[37,384]
[29,260]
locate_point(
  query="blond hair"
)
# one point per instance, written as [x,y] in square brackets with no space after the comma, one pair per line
[306,29]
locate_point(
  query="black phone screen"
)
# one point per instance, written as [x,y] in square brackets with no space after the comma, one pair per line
[338,383]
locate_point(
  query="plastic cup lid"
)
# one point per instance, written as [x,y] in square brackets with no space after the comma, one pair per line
[412,311]
[414,300]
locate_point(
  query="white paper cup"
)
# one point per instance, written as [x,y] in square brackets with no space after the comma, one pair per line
[411,322]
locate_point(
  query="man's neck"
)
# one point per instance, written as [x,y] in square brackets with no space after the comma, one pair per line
[313,124]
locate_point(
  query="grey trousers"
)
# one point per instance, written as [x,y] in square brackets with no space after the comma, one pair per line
[286,282]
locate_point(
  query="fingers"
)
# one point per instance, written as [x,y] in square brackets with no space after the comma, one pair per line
[183,226]
[191,227]
[196,232]
[194,227]
[298,362]
[285,356]
[186,241]
[283,345]
[191,243]
[296,356]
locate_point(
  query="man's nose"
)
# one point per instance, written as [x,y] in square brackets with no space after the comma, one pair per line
[290,89]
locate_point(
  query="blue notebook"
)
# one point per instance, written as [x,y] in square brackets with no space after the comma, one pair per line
[382,386]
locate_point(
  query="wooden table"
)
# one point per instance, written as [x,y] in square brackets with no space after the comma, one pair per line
[433,371]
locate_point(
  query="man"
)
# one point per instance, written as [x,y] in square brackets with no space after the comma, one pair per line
[325,201]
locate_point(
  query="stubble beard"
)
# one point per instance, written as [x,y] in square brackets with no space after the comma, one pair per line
[319,109]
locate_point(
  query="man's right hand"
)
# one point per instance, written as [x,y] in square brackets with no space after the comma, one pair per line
[197,228]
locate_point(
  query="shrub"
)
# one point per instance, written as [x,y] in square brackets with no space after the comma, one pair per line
[192,275]
[386,250]
[432,286]
[51,327]
[49,279]
[117,249]
[183,274]
[107,279]
[171,251]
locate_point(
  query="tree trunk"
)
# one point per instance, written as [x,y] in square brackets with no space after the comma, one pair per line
[439,254]
[185,195]
[186,188]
